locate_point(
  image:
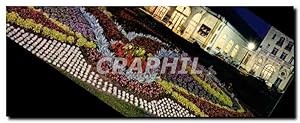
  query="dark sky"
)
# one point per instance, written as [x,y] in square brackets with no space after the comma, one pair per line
[255,21]
[238,22]
[257,24]
[282,18]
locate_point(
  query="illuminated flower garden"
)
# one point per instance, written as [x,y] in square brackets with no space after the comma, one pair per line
[74,39]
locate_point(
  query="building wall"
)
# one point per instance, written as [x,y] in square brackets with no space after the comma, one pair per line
[260,59]
[207,20]
[225,35]
[218,27]
[283,68]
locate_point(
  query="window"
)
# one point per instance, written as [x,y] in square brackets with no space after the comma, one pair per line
[204,30]
[247,59]
[234,51]
[274,36]
[192,25]
[277,82]
[291,60]
[257,64]
[289,46]
[179,17]
[255,67]
[160,12]
[228,46]
[280,41]
[150,9]
[267,72]
[283,56]
[274,52]
[221,42]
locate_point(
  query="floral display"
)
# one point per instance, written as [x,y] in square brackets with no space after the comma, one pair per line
[98,34]
[72,17]
[36,16]
[152,90]
[110,30]
[213,110]
[32,19]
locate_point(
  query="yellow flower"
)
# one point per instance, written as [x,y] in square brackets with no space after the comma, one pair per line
[81,41]
[70,39]
[20,21]
[37,28]
[11,17]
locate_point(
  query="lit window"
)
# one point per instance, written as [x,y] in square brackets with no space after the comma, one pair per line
[221,42]
[192,25]
[179,17]
[161,11]
[228,46]
[247,59]
[267,72]
[184,9]
[234,51]
[257,64]
[255,67]
[150,9]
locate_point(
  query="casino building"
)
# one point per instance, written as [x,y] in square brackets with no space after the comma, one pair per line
[272,60]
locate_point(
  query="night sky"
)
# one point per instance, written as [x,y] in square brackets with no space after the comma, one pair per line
[257,24]
[281,17]
[254,22]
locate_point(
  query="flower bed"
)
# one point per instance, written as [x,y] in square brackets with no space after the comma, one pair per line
[214,93]
[110,29]
[213,110]
[182,100]
[199,94]
[203,107]
[36,16]
[72,17]
[187,82]
[40,23]
[148,91]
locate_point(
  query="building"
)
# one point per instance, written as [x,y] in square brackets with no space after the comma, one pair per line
[274,59]
[228,43]
[199,24]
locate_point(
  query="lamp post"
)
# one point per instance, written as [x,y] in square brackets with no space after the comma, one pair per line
[250,47]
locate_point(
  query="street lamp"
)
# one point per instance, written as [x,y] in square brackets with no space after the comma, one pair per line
[250,47]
